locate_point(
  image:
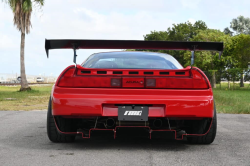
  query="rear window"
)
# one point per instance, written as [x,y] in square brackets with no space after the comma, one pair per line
[132,60]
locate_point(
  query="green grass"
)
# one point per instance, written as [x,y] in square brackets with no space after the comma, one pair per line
[36,99]
[235,101]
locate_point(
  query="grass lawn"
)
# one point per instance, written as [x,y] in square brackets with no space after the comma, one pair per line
[227,101]
[36,99]
[235,101]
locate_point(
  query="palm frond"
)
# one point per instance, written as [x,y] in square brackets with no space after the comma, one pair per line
[22,10]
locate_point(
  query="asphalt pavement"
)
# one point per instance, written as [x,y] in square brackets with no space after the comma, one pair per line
[23,141]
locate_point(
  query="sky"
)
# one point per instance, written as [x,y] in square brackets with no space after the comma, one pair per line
[101,19]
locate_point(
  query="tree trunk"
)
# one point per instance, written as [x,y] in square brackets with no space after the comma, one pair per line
[241,80]
[24,83]
[213,80]
[228,84]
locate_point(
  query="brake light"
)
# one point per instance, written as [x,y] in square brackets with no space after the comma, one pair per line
[199,81]
[69,79]
[196,74]
[66,79]
[196,81]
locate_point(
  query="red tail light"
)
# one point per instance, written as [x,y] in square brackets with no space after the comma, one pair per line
[194,81]
[199,81]
[66,78]
[69,79]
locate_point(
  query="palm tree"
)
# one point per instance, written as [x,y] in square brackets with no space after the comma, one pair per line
[22,10]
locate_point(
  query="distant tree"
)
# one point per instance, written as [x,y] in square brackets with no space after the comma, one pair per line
[209,60]
[230,63]
[178,32]
[185,31]
[157,35]
[241,53]
[22,10]
[247,75]
[240,25]
[235,75]
[227,31]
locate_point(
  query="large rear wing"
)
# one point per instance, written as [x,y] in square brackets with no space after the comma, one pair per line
[130,44]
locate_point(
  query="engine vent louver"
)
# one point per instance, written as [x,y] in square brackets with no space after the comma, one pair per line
[148,72]
[117,72]
[86,72]
[101,72]
[133,72]
[180,73]
[164,73]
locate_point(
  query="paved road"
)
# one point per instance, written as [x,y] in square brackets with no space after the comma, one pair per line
[23,141]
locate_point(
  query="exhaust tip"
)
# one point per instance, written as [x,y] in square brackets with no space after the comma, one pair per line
[157,123]
[110,122]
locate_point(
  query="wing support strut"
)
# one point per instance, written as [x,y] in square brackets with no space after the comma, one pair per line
[193,56]
[75,46]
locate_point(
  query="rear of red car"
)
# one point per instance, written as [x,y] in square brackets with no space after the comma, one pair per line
[102,95]
[170,93]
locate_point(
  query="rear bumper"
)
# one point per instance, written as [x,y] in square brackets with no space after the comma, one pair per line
[92,102]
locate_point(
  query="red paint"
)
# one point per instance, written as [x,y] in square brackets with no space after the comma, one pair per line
[90,101]
[171,95]
[169,79]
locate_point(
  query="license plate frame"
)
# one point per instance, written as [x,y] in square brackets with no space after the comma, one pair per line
[133,113]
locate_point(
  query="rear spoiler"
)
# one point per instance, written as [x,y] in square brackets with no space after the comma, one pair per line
[131,44]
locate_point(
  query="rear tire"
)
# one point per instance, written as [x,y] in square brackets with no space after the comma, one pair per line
[200,128]
[52,132]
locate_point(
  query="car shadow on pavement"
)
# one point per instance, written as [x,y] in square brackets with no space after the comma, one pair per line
[130,143]
[126,141]
[37,139]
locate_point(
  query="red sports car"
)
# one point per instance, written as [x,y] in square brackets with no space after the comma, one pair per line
[132,90]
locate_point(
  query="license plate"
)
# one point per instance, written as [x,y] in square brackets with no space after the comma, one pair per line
[135,113]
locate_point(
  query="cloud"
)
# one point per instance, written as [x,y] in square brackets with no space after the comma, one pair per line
[6,42]
[190,4]
[79,23]
[192,20]
[99,19]
[128,5]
